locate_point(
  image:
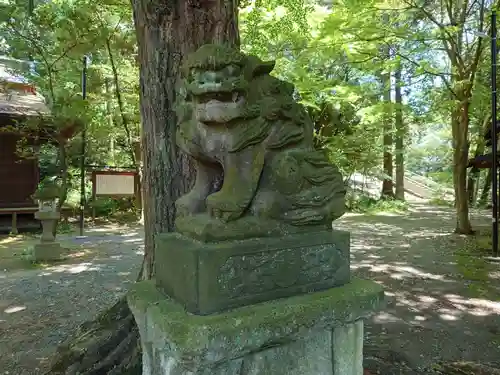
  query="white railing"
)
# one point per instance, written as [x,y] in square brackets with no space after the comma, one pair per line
[414,184]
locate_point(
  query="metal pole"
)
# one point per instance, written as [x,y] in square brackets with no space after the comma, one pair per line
[494,171]
[82,155]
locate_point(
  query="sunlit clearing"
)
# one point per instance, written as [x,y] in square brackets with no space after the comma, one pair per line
[131,234]
[494,275]
[358,247]
[11,240]
[14,309]
[79,254]
[133,240]
[427,299]
[448,317]
[408,271]
[425,234]
[475,303]
[386,213]
[68,268]
[480,312]
[384,317]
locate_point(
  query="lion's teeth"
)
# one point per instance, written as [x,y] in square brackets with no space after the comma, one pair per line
[235,96]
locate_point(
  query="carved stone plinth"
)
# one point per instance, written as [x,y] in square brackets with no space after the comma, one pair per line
[49,221]
[312,334]
[47,249]
[208,277]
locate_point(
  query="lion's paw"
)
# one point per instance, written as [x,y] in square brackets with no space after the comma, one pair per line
[222,206]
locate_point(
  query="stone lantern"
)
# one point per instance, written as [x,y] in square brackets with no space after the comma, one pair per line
[47,197]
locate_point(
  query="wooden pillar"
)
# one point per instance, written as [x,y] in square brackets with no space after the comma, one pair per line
[13,228]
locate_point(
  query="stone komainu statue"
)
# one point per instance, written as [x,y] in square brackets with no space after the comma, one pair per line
[238,121]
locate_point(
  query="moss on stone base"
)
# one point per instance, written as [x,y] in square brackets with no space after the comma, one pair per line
[245,329]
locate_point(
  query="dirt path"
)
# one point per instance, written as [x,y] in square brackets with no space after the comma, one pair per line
[430,315]
[40,308]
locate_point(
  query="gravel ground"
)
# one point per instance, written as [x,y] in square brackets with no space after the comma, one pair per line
[39,308]
[431,313]
[429,316]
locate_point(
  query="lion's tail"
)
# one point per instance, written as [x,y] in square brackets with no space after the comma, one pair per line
[324,199]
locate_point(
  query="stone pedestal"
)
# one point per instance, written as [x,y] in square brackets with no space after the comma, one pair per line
[319,333]
[48,249]
[208,277]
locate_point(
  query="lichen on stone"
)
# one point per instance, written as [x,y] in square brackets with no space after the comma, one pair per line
[237,120]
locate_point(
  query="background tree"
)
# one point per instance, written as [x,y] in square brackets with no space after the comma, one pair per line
[400,132]
[450,22]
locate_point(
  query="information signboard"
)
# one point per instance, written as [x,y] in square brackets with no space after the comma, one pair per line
[114,184]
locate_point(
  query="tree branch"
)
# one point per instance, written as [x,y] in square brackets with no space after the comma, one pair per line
[119,99]
[472,71]
[440,75]
[449,42]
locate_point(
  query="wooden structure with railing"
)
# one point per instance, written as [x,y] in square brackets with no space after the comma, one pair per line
[19,176]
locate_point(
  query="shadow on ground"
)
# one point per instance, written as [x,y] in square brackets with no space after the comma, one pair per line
[432,312]
[40,307]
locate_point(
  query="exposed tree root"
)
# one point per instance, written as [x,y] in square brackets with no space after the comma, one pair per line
[108,345]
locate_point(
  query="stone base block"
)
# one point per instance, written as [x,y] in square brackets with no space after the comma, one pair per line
[47,251]
[313,334]
[217,276]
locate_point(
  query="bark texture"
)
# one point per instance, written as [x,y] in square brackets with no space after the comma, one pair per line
[385,77]
[474,172]
[400,134]
[460,129]
[167,30]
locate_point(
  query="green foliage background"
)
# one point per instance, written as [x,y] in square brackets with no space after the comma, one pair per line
[331,53]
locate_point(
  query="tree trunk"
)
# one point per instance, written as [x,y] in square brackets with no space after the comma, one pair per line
[400,134]
[485,194]
[167,30]
[474,173]
[139,168]
[385,80]
[474,176]
[109,112]
[460,129]
[387,183]
[471,185]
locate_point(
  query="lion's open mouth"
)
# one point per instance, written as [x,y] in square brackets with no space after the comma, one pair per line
[225,97]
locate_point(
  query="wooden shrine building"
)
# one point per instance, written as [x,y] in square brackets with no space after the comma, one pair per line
[19,176]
